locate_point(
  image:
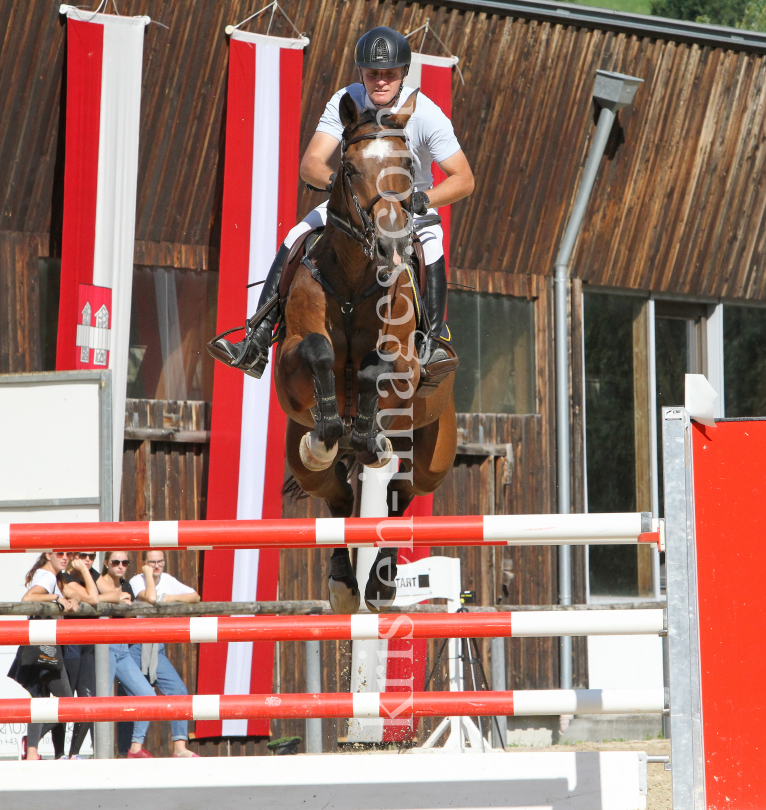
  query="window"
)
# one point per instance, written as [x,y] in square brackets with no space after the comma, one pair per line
[494,338]
[610,442]
[172,318]
[744,339]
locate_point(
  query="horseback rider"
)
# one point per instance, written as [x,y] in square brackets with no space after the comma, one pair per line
[382,58]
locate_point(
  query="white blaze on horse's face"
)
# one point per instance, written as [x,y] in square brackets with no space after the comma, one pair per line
[379,148]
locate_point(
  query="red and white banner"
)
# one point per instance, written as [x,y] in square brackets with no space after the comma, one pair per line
[247,445]
[103,107]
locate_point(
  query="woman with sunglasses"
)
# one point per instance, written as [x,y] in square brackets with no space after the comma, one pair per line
[80,659]
[112,582]
[45,584]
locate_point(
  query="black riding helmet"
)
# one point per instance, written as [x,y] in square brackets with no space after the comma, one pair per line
[383,48]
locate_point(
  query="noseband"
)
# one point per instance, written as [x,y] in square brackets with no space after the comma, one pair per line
[365,235]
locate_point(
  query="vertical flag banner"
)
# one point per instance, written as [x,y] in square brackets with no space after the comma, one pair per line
[247,443]
[103,108]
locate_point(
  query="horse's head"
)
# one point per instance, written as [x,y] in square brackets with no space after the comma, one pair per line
[376,181]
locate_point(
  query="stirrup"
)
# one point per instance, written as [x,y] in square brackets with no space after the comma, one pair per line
[432,373]
[223,350]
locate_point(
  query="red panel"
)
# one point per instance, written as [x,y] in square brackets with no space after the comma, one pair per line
[408,657]
[730,492]
[228,384]
[85,46]
[436,83]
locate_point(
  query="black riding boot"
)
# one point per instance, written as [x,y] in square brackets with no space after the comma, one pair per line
[251,354]
[435,304]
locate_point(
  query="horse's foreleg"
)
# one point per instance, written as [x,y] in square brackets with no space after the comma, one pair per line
[319,448]
[372,447]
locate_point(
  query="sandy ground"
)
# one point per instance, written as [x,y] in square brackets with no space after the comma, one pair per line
[659,788]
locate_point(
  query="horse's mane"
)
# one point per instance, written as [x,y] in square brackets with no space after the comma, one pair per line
[368,116]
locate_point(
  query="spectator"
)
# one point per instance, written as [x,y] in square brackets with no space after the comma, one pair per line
[155,585]
[80,659]
[40,669]
[121,665]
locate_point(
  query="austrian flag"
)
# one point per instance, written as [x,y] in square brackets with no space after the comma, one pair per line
[103,106]
[247,442]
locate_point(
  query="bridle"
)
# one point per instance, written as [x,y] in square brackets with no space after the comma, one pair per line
[365,235]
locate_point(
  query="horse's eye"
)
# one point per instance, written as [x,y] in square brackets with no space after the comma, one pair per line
[351,170]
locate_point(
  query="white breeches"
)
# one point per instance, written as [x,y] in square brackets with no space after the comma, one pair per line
[431,236]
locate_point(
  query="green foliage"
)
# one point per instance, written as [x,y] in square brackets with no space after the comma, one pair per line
[754,18]
[717,12]
[626,6]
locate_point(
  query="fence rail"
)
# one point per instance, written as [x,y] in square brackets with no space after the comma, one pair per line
[474,530]
[335,628]
[284,608]
[390,705]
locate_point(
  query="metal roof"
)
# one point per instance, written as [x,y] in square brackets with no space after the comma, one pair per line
[641,24]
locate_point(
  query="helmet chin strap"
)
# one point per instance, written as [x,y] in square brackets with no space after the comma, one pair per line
[393,101]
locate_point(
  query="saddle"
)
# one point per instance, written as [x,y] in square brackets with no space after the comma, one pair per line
[434,373]
[307,240]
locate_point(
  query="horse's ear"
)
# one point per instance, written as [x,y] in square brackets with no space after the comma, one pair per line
[349,114]
[398,120]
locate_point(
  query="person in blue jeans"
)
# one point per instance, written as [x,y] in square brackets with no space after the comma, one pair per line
[121,664]
[155,585]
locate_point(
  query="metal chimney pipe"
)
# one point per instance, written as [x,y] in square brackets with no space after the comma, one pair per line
[612,92]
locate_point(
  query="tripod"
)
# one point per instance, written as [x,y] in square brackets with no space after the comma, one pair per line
[461,730]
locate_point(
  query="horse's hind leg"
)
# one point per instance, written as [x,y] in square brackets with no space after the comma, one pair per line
[319,447]
[372,447]
[380,591]
[432,457]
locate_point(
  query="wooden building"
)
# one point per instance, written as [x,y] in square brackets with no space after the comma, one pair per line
[674,233]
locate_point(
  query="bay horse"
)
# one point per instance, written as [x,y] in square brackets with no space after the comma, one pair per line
[347,369]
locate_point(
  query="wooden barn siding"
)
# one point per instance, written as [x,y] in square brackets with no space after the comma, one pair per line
[678,207]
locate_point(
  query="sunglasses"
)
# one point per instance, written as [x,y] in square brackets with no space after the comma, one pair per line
[83,555]
[62,555]
[115,563]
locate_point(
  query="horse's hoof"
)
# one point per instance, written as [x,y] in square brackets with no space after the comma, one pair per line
[314,455]
[384,453]
[344,597]
[380,591]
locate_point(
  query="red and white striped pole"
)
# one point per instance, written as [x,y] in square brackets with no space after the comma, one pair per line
[477,530]
[514,624]
[358,705]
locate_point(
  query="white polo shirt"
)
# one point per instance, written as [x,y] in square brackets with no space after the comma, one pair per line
[429,132]
[168,585]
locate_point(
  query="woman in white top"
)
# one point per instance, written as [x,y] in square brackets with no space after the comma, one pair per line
[44,584]
[155,585]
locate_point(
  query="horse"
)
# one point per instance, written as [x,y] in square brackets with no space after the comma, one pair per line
[346,364]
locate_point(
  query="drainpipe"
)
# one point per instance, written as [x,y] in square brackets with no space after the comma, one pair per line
[612,92]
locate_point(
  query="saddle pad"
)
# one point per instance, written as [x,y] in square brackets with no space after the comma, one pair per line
[301,247]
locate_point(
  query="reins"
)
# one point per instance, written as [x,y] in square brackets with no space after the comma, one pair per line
[364,236]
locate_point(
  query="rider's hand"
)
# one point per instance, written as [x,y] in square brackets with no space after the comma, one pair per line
[420,203]
[328,187]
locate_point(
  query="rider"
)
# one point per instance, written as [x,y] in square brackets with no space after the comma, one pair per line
[382,58]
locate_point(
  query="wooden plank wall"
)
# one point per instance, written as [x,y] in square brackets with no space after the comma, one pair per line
[678,205]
